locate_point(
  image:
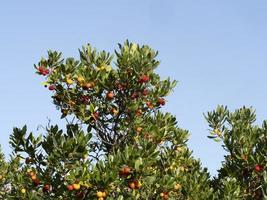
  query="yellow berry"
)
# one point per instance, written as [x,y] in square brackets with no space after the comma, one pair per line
[177,186]
[99,194]
[23,191]
[69,81]
[80,79]
[76,186]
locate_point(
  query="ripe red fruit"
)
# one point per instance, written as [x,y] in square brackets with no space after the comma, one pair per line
[132,185]
[110,95]
[46,188]
[145,92]
[125,171]
[149,105]
[134,95]
[161,101]
[36,182]
[143,79]
[43,71]
[70,187]
[52,87]
[258,168]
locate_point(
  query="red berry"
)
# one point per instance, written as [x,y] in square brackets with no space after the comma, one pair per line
[258,168]
[143,79]
[134,95]
[70,187]
[161,101]
[46,188]
[36,182]
[52,87]
[110,95]
[145,92]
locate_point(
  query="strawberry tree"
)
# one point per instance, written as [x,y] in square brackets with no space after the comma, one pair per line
[246,162]
[118,144]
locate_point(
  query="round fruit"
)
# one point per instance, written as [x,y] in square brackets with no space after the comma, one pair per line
[258,168]
[177,186]
[125,171]
[99,194]
[70,187]
[52,87]
[132,185]
[149,105]
[33,177]
[143,79]
[23,190]
[87,86]
[161,101]
[145,92]
[110,95]
[104,194]
[139,129]
[36,182]
[80,79]
[76,186]
[46,188]
[69,81]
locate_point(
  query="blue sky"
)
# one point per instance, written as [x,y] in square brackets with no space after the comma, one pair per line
[215,49]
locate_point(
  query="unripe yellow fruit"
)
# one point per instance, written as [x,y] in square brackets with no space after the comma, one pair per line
[99,194]
[23,191]
[69,81]
[76,186]
[80,79]
[177,186]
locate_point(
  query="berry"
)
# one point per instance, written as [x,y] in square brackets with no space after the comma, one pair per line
[52,87]
[125,171]
[23,190]
[132,185]
[258,168]
[143,79]
[76,186]
[36,182]
[70,187]
[161,102]
[149,105]
[46,188]
[145,92]
[110,95]
[99,194]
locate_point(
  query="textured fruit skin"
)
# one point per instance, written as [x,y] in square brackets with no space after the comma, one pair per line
[70,187]
[161,101]
[258,168]
[110,95]
[23,191]
[52,87]
[132,185]
[144,79]
[125,171]
[76,186]
[43,71]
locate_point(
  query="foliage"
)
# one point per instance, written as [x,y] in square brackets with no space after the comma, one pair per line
[119,144]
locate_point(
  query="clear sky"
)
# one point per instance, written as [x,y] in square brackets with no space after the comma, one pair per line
[215,49]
